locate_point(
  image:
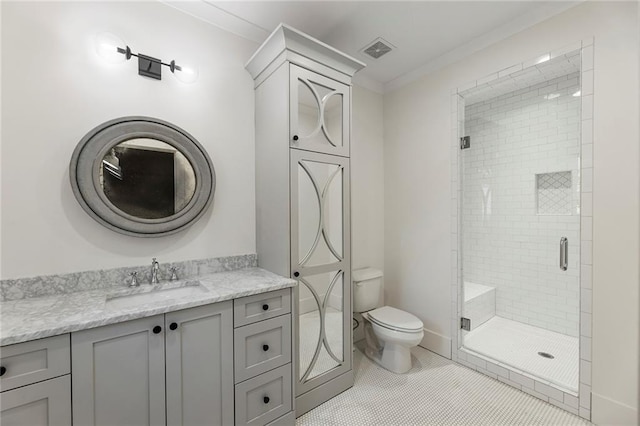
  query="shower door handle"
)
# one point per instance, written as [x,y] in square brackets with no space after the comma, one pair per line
[564,253]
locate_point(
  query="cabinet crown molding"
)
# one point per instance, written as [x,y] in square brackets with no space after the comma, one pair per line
[299,48]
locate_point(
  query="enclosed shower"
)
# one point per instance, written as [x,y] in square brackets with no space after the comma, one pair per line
[519,220]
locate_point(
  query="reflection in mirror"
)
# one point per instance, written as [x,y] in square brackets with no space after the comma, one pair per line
[333,210]
[333,118]
[308,213]
[309,322]
[147,178]
[311,96]
[308,110]
[321,352]
[319,196]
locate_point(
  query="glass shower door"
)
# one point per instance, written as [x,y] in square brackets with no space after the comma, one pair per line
[520,220]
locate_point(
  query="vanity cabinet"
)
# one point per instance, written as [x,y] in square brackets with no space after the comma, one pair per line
[220,364]
[303,127]
[263,355]
[174,369]
[35,383]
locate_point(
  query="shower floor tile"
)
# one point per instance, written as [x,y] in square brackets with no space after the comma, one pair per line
[436,391]
[517,345]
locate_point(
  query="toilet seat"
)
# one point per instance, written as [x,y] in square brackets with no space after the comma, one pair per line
[395,319]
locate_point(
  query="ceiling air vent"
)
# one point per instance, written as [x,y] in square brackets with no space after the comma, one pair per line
[377,48]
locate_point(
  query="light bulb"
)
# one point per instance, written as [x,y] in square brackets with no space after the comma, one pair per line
[184,73]
[111,48]
[543,58]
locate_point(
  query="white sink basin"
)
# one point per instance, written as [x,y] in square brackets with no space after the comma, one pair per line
[145,295]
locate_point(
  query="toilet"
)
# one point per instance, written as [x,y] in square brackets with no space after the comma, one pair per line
[390,333]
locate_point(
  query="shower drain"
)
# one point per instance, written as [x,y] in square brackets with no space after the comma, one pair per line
[546,355]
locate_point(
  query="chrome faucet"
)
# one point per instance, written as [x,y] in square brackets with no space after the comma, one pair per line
[174,273]
[155,266]
[134,279]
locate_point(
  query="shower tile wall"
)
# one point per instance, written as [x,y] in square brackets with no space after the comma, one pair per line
[508,244]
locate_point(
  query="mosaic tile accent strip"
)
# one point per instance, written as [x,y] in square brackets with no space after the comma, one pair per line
[553,192]
[50,285]
[435,391]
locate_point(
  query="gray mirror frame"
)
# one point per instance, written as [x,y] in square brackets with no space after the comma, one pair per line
[87,159]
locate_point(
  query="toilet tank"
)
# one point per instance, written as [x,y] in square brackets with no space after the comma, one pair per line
[367,284]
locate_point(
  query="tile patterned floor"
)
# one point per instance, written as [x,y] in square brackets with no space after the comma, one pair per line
[517,345]
[435,391]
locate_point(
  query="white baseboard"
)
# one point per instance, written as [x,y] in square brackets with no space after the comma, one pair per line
[437,343]
[606,411]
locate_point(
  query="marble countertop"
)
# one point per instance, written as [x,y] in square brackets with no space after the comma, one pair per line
[35,318]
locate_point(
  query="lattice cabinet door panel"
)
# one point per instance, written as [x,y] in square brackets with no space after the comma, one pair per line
[320,110]
[320,259]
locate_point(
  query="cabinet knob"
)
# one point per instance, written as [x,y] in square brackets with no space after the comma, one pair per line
[157,329]
[265,347]
[266,399]
[173,326]
[3,370]
[296,274]
[295,137]
[265,307]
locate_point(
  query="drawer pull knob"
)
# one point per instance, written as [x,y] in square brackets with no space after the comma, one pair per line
[266,399]
[265,307]
[157,329]
[3,370]
[265,347]
[296,274]
[173,326]
[295,137]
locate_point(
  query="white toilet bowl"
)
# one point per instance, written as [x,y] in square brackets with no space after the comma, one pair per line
[390,334]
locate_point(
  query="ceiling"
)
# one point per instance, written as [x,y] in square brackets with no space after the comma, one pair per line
[544,71]
[427,35]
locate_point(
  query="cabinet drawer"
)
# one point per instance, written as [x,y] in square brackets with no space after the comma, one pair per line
[262,346]
[258,307]
[34,361]
[264,398]
[46,403]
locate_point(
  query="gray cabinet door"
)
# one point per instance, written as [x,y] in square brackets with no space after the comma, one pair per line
[46,403]
[320,110]
[118,374]
[321,262]
[199,355]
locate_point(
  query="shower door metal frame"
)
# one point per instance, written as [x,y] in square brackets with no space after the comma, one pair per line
[343,265]
[579,404]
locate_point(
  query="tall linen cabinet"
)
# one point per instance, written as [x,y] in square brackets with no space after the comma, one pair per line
[303,131]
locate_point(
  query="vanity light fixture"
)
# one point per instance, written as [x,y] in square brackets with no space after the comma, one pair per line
[109,47]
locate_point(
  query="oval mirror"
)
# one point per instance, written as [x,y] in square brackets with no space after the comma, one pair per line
[142,176]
